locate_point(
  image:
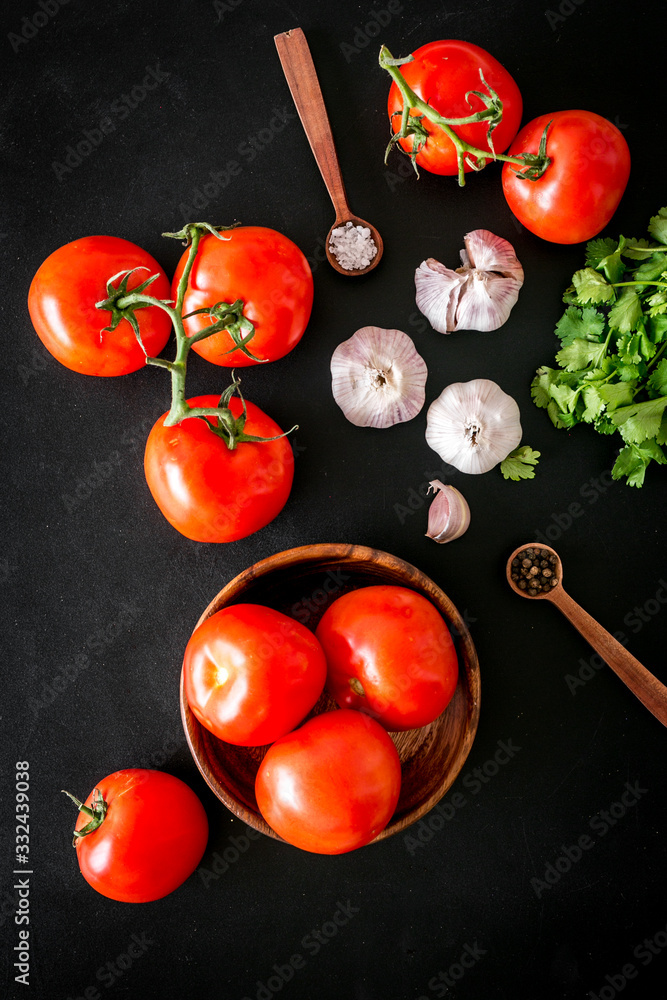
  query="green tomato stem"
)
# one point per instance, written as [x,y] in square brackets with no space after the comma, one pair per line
[477,158]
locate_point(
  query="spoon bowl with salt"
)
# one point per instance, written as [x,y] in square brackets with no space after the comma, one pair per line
[536,572]
[353,246]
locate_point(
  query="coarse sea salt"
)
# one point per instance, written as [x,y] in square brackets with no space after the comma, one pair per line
[352,246]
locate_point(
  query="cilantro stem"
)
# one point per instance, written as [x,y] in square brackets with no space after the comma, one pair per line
[658,284]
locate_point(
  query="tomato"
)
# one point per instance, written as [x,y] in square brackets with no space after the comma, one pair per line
[152,837]
[251,674]
[212,494]
[581,188]
[389,653]
[442,73]
[332,785]
[62,301]
[272,277]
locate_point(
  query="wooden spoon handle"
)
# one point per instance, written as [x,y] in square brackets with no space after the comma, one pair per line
[299,71]
[650,691]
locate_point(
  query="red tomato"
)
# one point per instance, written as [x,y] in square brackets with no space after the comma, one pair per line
[62,301]
[212,494]
[580,190]
[389,653]
[152,838]
[441,74]
[332,785]
[270,274]
[251,674]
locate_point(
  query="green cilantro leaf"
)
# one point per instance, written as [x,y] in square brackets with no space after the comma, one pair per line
[626,311]
[520,464]
[658,226]
[580,324]
[539,388]
[637,249]
[657,383]
[651,269]
[657,326]
[632,462]
[591,286]
[581,354]
[616,394]
[640,421]
[594,404]
[598,249]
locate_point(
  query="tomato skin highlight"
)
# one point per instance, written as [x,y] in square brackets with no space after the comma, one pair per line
[151,840]
[272,276]
[212,494]
[396,645]
[332,785]
[62,301]
[581,188]
[442,73]
[251,674]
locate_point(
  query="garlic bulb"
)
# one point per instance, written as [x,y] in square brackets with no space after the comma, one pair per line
[473,425]
[477,296]
[448,515]
[378,377]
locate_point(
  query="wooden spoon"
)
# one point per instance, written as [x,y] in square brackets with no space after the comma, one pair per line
[650,691]
[299,70]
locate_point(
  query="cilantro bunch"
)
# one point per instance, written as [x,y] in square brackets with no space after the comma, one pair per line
[613,334]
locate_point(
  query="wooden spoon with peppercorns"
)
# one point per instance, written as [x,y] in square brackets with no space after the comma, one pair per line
[535,571]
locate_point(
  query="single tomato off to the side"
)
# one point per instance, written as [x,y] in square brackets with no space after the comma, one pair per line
[264,269]
[209,492]
[332,785]
[443,74]
[580,190]
[390,654]
[251,674]
[62,301]
[150,832]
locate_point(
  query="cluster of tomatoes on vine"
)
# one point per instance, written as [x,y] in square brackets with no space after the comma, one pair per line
[218,467]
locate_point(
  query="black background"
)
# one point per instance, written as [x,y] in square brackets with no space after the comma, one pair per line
[68,570]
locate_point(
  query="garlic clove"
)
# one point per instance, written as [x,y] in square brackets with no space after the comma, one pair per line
[488,252]
[438,290]
[448,515]
[473,425]
[480,294]
[378,377]
[487,302]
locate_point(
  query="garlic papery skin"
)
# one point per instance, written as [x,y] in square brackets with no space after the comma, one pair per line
[378,377]
[473,425]
[448,515]
[480,294]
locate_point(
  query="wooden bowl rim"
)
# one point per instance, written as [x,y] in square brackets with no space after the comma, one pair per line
[306,555]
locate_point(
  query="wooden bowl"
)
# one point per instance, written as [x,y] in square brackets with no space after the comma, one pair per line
[302,583]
